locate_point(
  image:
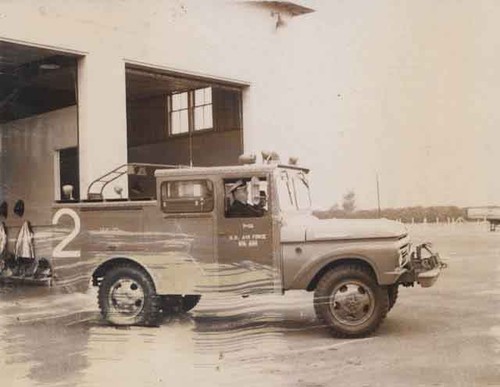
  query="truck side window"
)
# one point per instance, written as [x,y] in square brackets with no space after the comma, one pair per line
[187,196]
[246,197]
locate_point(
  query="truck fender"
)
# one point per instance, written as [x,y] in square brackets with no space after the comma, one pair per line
[112,262]
[308,276]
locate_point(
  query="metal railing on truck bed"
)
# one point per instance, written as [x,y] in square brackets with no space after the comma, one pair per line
[96,188]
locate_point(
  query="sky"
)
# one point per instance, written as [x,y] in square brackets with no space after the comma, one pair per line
[403,89]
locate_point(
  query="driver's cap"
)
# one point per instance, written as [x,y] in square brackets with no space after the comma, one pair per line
[238,184]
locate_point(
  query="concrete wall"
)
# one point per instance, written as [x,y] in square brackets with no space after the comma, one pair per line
[27,160]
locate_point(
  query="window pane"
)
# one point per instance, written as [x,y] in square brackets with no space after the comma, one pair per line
[285,193]
[176,123]
[248,199]
[208,116]
[184,121]
[179,120]
[184,100]
[188,189]
[199,97]
[302,192]
[176,102]
[198,118]
[203,117]
[203,96]
[187,196]
[208,95]
[179,101]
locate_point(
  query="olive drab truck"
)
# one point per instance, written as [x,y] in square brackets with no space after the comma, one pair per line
[176,240]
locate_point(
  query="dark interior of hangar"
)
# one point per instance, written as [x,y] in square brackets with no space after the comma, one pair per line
[34,81]
[172,119]
[180,120]
[38,126]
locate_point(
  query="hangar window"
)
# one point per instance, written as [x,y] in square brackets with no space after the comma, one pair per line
[203,118]
[179,113]
[191,111]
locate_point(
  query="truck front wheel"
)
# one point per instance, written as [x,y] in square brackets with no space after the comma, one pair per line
[350,302]
[127,296]
[392,292]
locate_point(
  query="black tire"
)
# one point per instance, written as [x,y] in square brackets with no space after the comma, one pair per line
[392,292]
[190,301]
[127,296]
[350,302]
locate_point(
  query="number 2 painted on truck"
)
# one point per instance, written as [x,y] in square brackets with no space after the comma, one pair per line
[59,251]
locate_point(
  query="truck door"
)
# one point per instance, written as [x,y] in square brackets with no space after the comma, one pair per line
[187,222]
[245,236]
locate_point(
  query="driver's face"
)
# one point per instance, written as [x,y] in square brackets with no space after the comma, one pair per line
[241,194]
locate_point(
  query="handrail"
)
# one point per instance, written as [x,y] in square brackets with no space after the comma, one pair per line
[102,179]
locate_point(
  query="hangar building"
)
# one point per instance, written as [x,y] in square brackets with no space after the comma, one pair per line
[89,87]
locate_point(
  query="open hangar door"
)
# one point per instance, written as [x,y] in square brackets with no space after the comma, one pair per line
[38,128]
[176,119]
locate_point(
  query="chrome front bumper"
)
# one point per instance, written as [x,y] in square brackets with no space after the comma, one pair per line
[424,267]
[428,278]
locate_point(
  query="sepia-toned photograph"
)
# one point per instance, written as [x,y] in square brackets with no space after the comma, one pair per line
[249,193]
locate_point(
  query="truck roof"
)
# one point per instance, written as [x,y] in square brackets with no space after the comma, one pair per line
[228,169]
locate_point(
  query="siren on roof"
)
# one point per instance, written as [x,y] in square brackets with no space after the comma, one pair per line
[247,158]
[292,160]
[270,157]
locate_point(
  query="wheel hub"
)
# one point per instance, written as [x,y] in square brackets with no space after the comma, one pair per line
[352,303]
[126,297]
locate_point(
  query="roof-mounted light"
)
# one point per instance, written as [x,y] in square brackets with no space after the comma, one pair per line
[247,158]
[270,156]
[293,160]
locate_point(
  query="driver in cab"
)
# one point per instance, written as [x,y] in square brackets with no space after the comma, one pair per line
[239,207]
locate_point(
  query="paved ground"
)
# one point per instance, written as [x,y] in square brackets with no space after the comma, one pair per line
[448,335]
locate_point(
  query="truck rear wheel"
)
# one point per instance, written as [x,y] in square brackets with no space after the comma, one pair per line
[127,296]
[350,302]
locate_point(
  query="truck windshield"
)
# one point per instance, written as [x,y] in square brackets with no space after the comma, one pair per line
[293,190]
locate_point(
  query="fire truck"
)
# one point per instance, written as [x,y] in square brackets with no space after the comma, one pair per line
[175,239]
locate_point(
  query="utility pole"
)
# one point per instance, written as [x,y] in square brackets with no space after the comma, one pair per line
[378,197]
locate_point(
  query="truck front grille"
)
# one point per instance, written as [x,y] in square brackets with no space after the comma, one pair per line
[404,249]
